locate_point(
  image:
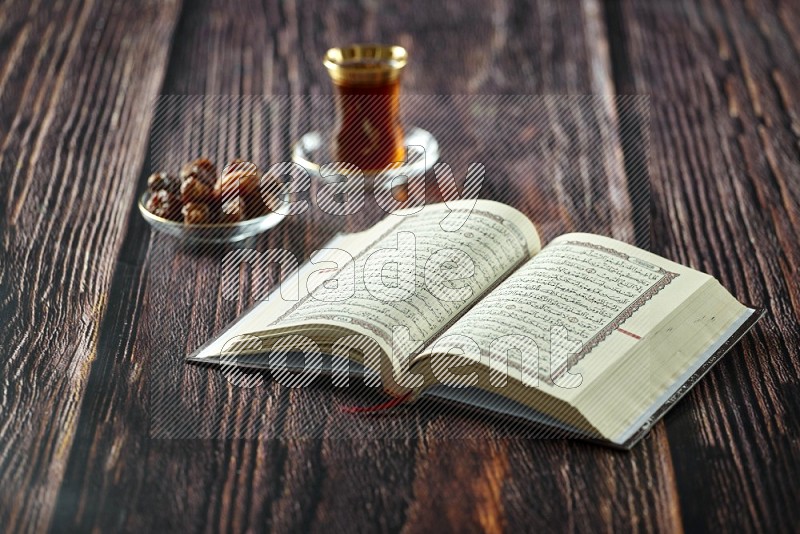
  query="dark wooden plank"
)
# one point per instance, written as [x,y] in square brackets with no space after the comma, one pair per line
[724,83]
[76,84]
[167,301]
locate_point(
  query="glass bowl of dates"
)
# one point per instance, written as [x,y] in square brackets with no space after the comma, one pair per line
[199,205]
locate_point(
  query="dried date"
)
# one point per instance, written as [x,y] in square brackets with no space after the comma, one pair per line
[201,169]
[196,213]
[164,204]
[239,177]
[193,190]
[163,181]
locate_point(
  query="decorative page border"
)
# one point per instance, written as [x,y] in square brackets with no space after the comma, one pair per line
[625,314]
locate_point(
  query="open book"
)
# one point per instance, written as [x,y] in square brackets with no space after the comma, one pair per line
[461,302]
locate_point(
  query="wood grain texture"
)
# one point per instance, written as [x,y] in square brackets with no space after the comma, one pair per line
[76,84]
[90,357]
[725,161]
[416,483]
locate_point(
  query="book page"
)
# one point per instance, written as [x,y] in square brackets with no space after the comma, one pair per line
[305,279]
[571,311]
[417,277]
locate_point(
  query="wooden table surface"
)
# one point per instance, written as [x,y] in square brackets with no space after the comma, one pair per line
[85,286]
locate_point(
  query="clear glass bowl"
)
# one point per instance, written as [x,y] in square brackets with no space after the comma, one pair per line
[209,233]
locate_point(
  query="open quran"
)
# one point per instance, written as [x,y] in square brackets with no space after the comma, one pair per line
[461,302]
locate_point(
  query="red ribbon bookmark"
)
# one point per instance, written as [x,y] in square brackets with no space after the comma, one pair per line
[634,336]
[388,405]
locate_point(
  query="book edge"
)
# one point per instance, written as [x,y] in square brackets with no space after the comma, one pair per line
[681,386]
[659,408]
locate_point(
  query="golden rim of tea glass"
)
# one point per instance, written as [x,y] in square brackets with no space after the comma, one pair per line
[365,64]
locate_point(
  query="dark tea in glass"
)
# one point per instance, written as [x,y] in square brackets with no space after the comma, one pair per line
[367,88]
